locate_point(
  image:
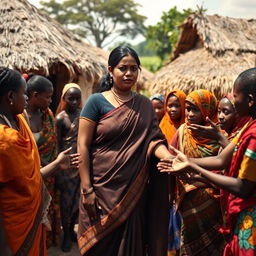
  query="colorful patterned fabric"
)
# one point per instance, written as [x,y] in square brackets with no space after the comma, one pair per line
[198,204]
[243,241]
[47,147]
[233,206]
[167,125]
[206,102]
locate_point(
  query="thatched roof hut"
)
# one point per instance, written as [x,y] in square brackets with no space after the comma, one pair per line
[30,41]
[211,52]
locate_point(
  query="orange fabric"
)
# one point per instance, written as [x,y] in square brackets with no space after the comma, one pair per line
[167,125]
[208,105]
[206,102]
[20,181]
[62,104]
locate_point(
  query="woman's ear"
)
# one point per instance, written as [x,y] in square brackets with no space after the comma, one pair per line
[110,70]
[251,100]
[10,96]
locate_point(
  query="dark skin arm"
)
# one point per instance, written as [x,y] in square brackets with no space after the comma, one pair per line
[211,132]
[85,135]
[64,161]
[239,187]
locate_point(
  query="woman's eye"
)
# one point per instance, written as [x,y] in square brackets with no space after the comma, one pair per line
[134,69]
[122,69]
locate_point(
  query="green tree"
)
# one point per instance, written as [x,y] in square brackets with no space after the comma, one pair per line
[101,20]
[163,36]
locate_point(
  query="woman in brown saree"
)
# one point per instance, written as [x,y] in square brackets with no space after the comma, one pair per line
[118,136]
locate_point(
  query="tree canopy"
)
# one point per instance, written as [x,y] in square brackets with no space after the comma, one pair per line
[163,36]
[101,20]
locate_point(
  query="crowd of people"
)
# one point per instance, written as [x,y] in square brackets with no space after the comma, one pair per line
[170,175]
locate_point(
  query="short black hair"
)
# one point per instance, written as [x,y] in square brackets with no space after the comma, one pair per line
[38,83]
[247,81]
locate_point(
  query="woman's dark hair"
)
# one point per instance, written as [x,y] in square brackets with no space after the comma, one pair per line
[247,81]
[114,58]
[38,83]
[10,80]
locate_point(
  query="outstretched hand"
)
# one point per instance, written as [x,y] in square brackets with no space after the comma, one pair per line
[68,161]
[176,165]
[210,132]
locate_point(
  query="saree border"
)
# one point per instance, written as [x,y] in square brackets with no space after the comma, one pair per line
[117,215]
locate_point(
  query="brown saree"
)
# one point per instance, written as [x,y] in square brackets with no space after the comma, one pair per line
[123,142]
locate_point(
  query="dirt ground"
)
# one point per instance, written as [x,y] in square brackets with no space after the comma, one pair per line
[56,251]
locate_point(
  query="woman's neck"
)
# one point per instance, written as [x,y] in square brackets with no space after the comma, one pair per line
[32,110]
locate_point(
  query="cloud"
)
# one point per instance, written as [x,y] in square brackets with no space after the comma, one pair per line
[239,8]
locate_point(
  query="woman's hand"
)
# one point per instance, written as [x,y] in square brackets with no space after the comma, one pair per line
[68,161]
[89,203]
[176,165]
[210,132]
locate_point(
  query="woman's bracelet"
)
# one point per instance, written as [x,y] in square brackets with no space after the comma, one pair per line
[87,192]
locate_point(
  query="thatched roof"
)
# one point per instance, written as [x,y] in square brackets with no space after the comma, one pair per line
[31,41]
[210,53]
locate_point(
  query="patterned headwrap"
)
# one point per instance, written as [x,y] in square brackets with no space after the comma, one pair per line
[199,146]
[167,125]
[206,102]
[159,97]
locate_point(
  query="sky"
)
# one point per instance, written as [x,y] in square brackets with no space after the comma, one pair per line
[153,9]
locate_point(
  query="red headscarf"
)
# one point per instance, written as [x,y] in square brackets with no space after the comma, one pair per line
[239,122]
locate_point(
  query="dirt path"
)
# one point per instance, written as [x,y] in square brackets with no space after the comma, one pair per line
[56,251]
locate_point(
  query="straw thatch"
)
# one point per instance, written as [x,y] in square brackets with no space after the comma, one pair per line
[210,53]
[30,41]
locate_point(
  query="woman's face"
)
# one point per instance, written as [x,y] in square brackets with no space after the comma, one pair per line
[159,108]
[125,74]
[241,101]
[226,115]
[44,99]
[174,108]
[193,114]
[73,99]
[20,98]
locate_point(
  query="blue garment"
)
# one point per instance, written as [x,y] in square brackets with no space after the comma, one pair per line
[174,230]
[95,107]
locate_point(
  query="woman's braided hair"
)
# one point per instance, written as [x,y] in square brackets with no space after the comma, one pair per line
[9,80]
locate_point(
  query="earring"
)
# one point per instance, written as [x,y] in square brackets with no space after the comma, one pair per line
[110,79]
[11,103]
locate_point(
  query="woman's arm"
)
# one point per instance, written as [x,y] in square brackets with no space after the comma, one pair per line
[63,161]
[218,162]
[85,135]
[161,152]
[239,187]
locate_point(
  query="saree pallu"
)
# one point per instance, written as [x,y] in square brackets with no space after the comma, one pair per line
[198,204]
[240,213]
[21,197]
[47,147]
[123,141]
